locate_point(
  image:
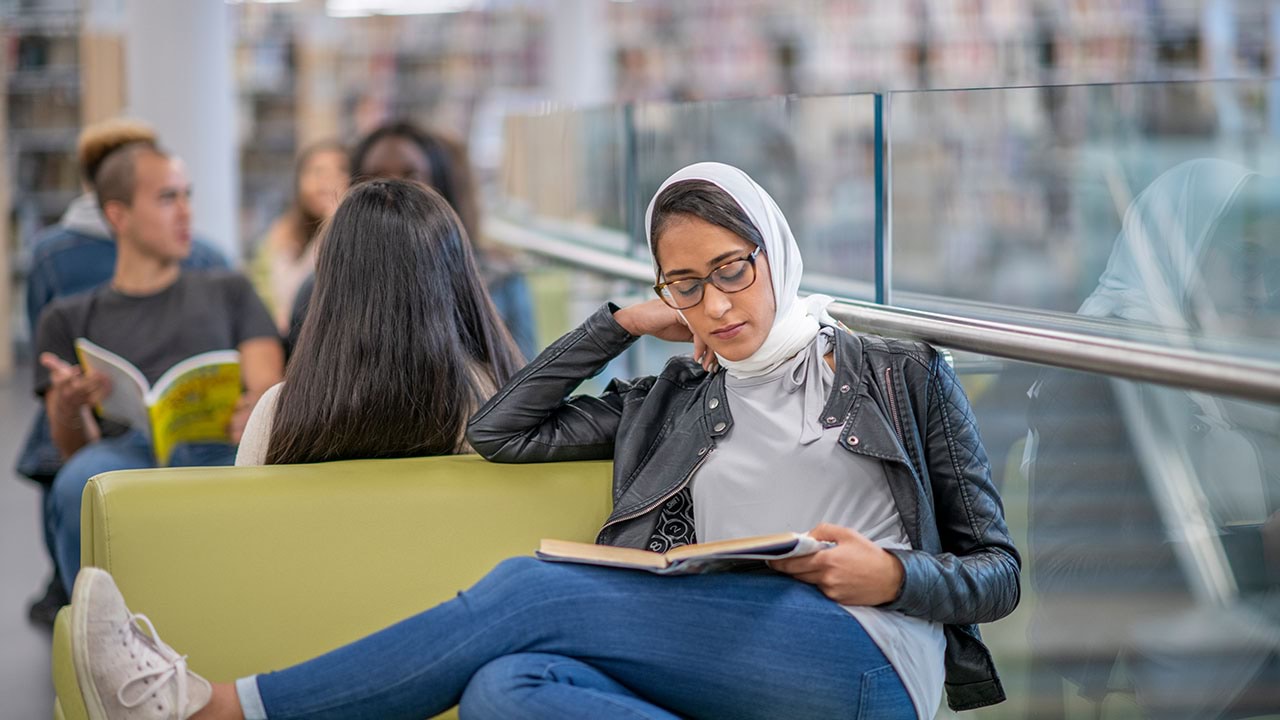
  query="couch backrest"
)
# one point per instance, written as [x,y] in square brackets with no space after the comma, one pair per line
[252,569]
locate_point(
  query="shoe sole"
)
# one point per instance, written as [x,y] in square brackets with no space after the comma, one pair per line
[79,651]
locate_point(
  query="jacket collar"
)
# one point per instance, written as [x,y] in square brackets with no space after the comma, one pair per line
[866,432]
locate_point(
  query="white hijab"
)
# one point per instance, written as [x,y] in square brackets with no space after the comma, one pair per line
[797,320]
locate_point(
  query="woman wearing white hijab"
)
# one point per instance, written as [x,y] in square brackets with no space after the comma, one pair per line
[866,443]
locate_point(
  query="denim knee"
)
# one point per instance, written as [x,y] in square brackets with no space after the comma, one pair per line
[521,569]
[65,494]
[518,565]
[62,521]
[493,693]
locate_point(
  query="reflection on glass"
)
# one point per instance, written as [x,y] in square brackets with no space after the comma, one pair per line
[1154,513]
[1024,197]
[1197,255]
[1154,547]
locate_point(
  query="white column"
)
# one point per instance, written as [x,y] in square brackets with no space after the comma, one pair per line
[581,71]
[6,251]
[179,79]
[1218,30]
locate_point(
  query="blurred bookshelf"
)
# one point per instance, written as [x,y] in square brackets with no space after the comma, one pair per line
[42,87]
[304,76]
[42,116]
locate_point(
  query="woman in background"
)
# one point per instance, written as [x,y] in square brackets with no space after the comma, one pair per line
[405,151]
[287,255]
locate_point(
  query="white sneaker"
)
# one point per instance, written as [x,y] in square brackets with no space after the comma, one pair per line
[124,673]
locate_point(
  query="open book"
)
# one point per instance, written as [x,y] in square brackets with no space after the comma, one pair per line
[192,402]
[687,559]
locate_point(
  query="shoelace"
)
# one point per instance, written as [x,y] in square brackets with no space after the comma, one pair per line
[174,668]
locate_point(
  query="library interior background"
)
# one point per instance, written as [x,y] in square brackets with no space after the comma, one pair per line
[992,176]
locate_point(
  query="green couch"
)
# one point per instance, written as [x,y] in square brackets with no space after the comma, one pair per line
[253,569]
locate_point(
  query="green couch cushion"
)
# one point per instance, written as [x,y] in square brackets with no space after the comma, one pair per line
[254,569]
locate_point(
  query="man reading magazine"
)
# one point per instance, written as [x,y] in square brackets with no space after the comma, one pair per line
[153,315]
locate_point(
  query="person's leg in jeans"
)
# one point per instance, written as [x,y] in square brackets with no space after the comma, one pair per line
[755,645]
[203,455]
[538,685]
[125,452]
[130,451]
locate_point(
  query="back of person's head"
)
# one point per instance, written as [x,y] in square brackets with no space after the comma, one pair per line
[100,140]
[404,150]
[401,342]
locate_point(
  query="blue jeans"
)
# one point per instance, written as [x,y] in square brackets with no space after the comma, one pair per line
[547,640]
[130,451]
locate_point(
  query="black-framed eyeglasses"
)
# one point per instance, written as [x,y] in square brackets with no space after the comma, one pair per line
[731,277]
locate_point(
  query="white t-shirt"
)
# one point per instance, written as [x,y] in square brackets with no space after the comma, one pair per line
[257,432]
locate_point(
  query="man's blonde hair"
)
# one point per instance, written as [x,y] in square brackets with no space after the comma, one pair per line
[99,140]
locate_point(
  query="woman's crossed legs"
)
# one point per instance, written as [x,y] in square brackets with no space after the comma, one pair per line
[545,640]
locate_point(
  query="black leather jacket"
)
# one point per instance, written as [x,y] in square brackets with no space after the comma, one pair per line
[898,401]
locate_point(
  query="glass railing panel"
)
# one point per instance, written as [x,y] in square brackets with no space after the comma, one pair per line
[1148,517]
[1149,524]
[1151,208]
[565,173]
[814,155]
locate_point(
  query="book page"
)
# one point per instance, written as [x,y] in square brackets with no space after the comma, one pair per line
[194,402]
[588,553]
[213,357]
[126,404]
[769,545]
[731,554]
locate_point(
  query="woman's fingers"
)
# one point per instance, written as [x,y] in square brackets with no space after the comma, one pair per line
[704,355]
[834,533]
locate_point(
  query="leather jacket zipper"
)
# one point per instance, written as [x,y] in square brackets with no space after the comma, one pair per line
[893,405]
[651,506]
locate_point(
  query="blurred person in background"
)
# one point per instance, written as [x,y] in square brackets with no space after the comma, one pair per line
[380,370]
[404,151]
[287,255]
[1158,504]
[152,314]
[77,254]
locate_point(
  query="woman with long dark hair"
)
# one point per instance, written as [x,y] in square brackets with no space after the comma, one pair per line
[405,151]
[401,345]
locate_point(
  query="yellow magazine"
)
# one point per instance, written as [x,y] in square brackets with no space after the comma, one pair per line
[192,402]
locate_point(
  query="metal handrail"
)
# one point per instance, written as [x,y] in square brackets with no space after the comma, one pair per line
[1145,362]
[1186,368]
